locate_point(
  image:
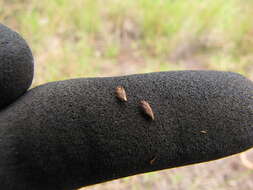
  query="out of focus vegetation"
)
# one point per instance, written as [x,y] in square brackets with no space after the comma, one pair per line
[88,38]
[74,38]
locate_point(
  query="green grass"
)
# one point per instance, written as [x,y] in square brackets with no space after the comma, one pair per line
[95,38]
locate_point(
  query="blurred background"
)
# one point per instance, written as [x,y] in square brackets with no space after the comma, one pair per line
[91,38]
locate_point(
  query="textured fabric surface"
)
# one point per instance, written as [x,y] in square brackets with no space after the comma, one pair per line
[68,134]
[16,66]
[76,132]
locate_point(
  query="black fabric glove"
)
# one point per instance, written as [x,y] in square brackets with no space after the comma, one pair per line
[68,134]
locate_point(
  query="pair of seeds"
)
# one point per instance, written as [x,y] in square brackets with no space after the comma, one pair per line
[146,108]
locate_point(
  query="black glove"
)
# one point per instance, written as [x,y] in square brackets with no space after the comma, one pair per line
[68,134]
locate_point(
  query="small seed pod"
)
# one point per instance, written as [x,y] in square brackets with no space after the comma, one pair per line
[121,93]
[152,161]
[146,108]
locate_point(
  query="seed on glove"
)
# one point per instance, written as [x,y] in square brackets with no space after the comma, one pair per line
[121,93]
[152,161]
[146,108]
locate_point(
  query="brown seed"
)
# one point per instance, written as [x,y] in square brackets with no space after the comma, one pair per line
[204,132]
[147,109]
[152,161]
[121,93]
